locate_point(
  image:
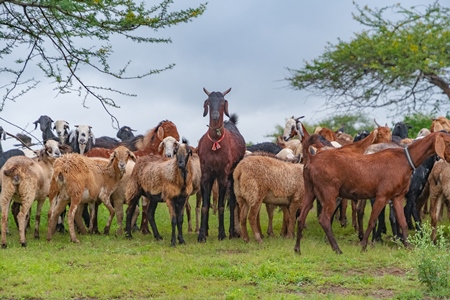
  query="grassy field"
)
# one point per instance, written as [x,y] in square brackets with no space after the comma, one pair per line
[113,267]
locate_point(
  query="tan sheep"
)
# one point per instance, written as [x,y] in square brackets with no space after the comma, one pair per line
[25,180]
[439,182]
[162,179]
[263,179]
[167,147]
[118,198]
[78,179]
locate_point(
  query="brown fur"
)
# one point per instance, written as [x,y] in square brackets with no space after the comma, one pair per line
[220,149]
[161,178]
[439,183]
[25,180]
[383,175]
[263,179]
[79,180]
[440,123]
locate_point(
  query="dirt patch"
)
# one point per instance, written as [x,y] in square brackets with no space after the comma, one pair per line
[342,291]
[379,272]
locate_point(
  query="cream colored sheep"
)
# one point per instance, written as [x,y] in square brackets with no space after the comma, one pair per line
[78,179]
[25,180]
[264,179]
[160,178]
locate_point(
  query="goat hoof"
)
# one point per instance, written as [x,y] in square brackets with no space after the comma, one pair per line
[182,242]
[36,237]
[76,241]
[24,244]
[159,238]
[4,246]
[145,230]
[135,228]
[106,231]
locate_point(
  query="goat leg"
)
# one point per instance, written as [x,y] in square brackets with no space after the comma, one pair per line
[151,216]
[180,203]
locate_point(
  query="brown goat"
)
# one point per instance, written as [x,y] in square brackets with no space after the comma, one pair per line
[78,179]
[25,180]
[383,175]
[162,179]
[220,149]
[262,179]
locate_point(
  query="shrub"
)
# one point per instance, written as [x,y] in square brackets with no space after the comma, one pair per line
[433,260]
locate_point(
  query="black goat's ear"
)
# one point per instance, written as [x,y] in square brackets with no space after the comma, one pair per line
[205,108]
[225,108]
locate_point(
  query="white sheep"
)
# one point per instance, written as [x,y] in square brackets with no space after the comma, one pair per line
[25,180]
[78,179]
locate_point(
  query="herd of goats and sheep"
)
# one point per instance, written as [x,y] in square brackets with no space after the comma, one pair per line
[77,172]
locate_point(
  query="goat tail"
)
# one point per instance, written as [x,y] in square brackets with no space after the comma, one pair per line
[60,177]
[14,173]
[234,119]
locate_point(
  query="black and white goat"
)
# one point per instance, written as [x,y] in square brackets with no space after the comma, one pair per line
[81,139]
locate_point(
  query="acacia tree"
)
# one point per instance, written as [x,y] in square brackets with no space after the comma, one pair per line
[62,37]
[402,64]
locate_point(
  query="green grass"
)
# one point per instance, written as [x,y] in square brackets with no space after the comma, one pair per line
[113,267]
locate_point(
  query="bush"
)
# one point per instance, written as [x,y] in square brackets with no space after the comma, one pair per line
[433,260]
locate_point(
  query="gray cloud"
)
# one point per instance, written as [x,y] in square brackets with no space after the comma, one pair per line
[245,45]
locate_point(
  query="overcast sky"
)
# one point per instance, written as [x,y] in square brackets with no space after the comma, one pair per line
[246,45]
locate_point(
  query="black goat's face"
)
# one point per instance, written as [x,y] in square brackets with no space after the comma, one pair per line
[217,105]
[125,133]
[44,123]
[182,153]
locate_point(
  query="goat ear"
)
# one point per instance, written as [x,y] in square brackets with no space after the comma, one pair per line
[160,133]
[161,145]
[205,108]
[72,135]
[312,150]
[112,156]
[439,147]
[375,134]
[132,156]
[225,108]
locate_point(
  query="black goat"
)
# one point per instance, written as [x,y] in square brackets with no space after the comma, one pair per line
[45,124]
[265,147]
[399,132]
[125,133]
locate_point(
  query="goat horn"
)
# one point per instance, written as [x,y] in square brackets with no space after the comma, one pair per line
[226,92]
[297,119]
[377,123]
[206,91]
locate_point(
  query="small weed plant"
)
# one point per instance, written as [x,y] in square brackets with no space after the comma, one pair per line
[433,259]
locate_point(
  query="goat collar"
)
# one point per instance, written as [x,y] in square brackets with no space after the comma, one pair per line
[408,157]
[216,144]
[216,129]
